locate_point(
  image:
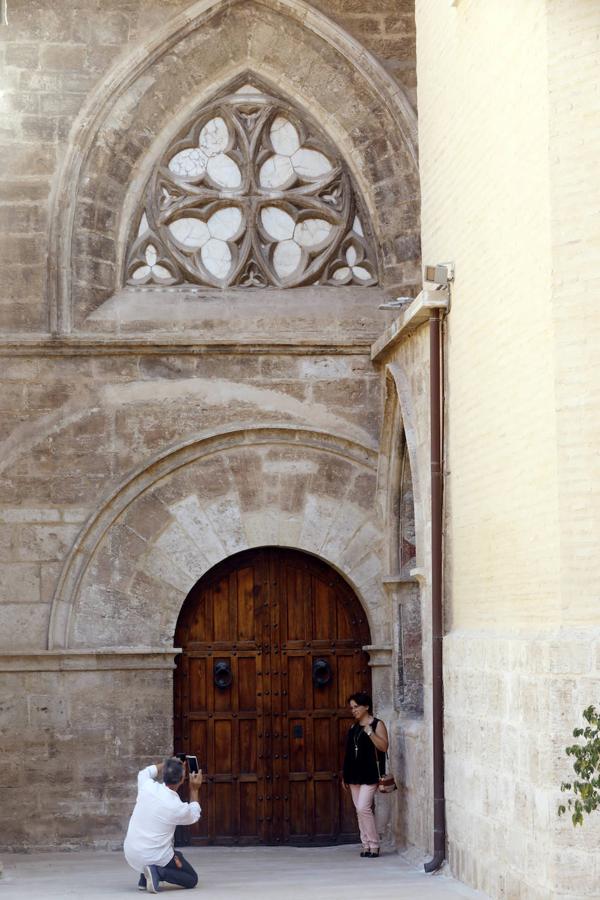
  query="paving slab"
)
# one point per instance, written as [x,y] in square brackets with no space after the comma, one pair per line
[268,873]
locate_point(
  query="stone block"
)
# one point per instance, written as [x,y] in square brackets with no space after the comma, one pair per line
[28,160]
[33,190]
[22,55]
[191,555]
[24,286]
[23,248]
[6,552]
[47,710]
[330,476]
[23,625]
[39,128]
[570,871]
[108,617]
[147,516]
[19,583]
[13,712]
[22,218]
[588,691]
[62,58]
[49,575]
[43,542]
[112,28]
[59,103]
[23,514]
[568,657]
[562,693]
[75,514]
[72,490]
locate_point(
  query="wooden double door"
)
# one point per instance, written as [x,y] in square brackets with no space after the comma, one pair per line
[271,643]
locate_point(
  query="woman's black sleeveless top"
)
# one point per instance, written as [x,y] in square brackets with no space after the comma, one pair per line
[360,765]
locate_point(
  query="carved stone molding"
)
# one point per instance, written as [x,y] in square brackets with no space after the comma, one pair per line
[88,660]
[379,655]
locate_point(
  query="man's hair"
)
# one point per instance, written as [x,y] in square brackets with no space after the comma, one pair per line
[172,770]
[361,698]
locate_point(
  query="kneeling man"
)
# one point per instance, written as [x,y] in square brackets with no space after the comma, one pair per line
[158,810]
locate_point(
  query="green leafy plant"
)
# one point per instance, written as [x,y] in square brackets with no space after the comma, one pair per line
[586,787]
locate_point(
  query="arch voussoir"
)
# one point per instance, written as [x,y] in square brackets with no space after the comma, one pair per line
[162,530]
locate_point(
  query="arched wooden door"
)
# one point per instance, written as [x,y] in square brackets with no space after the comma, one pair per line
[271,644]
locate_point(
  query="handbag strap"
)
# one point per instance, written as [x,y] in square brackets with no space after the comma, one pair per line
[377,754]
[377,760]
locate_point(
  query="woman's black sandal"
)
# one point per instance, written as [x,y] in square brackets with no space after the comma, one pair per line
[374,853]
[365,853]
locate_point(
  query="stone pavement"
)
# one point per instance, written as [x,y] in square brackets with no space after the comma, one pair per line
[268,873]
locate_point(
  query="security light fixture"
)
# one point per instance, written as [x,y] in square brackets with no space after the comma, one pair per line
[441,274]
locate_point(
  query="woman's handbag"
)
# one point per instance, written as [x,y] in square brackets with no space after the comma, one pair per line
[386,783]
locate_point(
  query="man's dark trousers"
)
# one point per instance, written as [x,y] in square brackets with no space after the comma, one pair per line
[185,876]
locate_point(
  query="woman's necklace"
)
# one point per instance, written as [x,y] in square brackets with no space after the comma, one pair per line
[356,738]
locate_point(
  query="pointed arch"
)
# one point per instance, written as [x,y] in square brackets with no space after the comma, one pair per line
[358,103]
[400,496]
[399,489]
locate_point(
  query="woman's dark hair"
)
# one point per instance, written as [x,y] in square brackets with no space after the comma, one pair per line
[361,698]
[173,771]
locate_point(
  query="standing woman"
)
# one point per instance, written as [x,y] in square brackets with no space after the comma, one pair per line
[366,746]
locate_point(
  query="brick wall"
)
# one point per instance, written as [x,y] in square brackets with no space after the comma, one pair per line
[573,67]
[483,120]
[507,148]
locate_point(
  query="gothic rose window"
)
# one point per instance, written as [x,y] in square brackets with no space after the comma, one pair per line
[250,195]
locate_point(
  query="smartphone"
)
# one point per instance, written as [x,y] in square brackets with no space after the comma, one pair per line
[193,764]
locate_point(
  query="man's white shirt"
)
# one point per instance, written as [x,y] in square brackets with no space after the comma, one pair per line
[158,809]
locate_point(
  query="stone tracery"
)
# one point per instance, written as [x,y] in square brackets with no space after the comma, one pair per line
[250,195]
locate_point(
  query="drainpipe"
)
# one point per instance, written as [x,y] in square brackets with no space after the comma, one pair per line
[437,623]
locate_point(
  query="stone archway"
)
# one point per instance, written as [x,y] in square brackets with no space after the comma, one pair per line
[132,567]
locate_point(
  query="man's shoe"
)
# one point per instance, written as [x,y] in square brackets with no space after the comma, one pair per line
[152,879]
[142,883]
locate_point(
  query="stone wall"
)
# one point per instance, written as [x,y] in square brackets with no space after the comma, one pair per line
[405,442]
[72,746]
[145,435]
[83,423]
[149,468]
[512,700]
[486,205]
[141,486]
[56,57]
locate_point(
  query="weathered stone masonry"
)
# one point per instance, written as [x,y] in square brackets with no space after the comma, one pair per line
[149,433]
